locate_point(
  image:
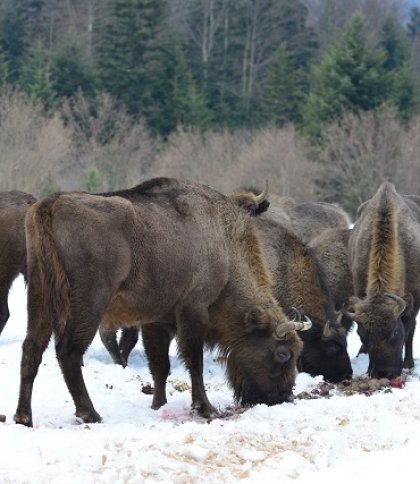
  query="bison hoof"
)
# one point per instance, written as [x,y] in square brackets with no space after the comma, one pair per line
[205,410]
[23,418]
[88,417]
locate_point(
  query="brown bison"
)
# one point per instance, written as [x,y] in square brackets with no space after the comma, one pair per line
[300,278]
[299,281]
[307,220]
[170,251]
[331,250]
[13,208]
[384,253]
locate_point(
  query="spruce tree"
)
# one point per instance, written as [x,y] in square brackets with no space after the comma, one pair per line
[351,76]
[400,76]
[127,54]
[36,77]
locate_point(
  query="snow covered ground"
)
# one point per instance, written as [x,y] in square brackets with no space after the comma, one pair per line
[340,439]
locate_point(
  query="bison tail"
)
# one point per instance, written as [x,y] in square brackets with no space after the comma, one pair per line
[54,286]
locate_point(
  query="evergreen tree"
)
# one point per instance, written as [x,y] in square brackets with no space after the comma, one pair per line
[413,26]
[4,68]
[36,77]
[350,77]
[71,71]
[128,53]
[185,104]
[13,21]
[284,89]
[401,81]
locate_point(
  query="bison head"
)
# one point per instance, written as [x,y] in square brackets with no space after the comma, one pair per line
[381,331]
[261,365]
[325,352]
[251,201]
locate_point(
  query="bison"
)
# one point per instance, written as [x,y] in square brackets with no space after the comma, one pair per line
[307,220]
[13,208]
[331,250]
[299,281]
[166,253]
[384,249]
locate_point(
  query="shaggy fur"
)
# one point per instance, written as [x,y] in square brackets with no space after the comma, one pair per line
[384,249]
[166,255]
[13,208]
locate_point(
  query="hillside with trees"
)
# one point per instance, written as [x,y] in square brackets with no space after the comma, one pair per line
[319,96]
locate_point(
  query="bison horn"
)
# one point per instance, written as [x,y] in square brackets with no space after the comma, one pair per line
[263,195]
[348,314]
[401,304]
[327,333]
[296,314]
[282,329]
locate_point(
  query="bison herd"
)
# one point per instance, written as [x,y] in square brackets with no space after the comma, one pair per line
[275,286]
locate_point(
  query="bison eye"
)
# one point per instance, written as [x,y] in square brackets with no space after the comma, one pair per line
[282,355]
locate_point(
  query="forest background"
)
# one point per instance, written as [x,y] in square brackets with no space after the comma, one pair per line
[322,97]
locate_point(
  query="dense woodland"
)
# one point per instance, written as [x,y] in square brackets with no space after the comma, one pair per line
[319,96]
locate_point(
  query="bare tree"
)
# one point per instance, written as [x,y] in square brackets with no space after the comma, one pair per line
[228,160]
[33,147]
[108,141]
[361,151]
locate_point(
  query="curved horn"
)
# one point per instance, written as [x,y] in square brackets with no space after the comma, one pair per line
[282,329]
[401,304]
[263,195]
[327,333]
[296,314]
[304,325]
[348,314]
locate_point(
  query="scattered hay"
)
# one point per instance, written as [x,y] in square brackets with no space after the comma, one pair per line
[364,386]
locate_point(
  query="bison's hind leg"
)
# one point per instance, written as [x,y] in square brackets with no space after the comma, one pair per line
[156,340]
[37,338]
[70,352]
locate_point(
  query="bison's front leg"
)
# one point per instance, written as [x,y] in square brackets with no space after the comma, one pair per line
[128,341]
[191,324]
[156,340]
[410,325]
[109,340]
[4,311]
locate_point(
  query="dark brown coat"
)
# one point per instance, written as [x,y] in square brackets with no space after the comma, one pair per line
[300,282]
[331,250]
[13,208]
[170,251]
[384,257]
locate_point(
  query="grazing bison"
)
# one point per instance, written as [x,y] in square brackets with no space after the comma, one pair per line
[384,254]
[13,208]
[165,251]
[299,281]
[331,250]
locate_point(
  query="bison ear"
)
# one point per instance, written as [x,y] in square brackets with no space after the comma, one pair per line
[262,207]
[256,320]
